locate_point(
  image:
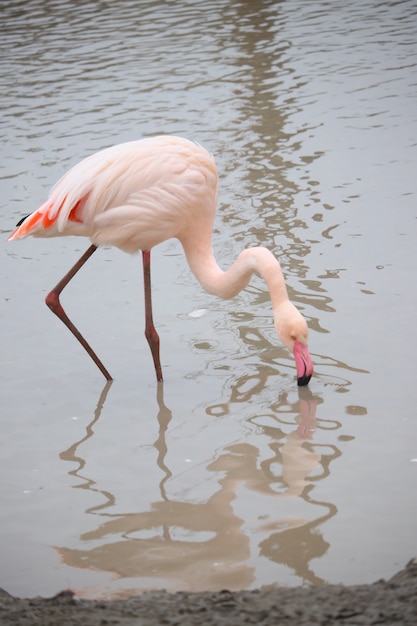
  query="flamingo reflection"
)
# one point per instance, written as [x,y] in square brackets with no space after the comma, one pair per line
[207,545]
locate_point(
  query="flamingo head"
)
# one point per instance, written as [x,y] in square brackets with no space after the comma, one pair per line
[293,331]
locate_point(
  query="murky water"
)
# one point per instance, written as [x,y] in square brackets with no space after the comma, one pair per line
[227,475]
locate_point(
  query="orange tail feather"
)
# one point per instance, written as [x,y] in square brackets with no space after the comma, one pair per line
[27,226]
[40,215]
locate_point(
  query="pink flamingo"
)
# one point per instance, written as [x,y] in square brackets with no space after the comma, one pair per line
[138,194]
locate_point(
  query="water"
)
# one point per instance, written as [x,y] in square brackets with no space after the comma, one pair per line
[228,475]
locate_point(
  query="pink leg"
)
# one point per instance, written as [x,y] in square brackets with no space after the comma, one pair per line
[150,332]
[52,300]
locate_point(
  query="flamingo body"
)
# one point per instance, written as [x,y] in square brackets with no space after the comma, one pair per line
[133,195]
[137,194]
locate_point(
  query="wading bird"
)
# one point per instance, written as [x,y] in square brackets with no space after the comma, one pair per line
[137,194]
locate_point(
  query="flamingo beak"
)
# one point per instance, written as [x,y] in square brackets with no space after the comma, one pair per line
[303,363]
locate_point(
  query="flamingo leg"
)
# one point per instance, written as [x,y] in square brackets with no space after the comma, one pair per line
[52,300]
[150,331]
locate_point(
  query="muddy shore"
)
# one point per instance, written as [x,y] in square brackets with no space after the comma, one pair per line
[392,602]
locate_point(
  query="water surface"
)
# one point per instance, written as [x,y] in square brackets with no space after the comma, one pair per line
[227,475]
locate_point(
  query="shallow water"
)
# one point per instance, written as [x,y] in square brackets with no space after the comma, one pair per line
[226,475]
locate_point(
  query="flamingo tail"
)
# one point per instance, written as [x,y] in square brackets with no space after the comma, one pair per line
[47,215]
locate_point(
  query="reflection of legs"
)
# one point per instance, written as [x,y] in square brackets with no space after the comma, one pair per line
[150,331]
[52,300]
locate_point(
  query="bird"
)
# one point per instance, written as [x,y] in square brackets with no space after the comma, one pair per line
[137,194]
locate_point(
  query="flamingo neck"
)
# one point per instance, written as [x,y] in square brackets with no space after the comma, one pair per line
[227,284]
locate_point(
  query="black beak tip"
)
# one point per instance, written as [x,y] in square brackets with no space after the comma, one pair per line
[303,381]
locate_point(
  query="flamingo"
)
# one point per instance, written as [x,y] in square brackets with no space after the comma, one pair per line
[134,196]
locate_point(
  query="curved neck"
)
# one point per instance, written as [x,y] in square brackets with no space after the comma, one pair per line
[227,284]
